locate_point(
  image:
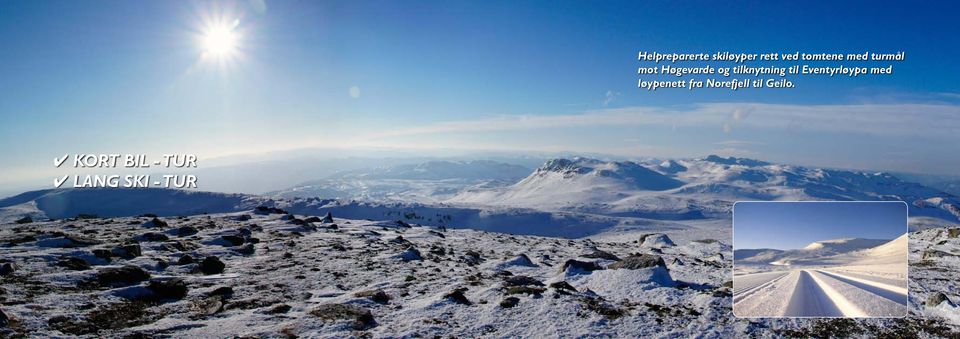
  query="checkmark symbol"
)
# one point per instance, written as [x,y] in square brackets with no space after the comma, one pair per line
[59,161]
[59,182]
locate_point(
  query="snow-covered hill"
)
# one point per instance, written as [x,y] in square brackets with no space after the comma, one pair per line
[824,252]
[843,245]
[423,182]
[116,202]
[696,188]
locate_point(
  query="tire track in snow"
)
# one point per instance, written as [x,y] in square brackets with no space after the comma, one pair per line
[846,307]
[746,292]
[809,299]
[819,293]
[893,293]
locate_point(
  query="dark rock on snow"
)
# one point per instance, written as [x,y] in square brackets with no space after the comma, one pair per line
[636,262]
[121,276]
[580,265]
[212,265]
[168,289]
[73,263]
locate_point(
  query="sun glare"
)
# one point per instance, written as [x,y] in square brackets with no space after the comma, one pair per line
[220,40]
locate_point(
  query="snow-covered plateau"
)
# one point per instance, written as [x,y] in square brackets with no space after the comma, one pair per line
[577,248]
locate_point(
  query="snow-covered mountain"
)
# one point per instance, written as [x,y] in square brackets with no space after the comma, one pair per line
[843,245]
[429,181]
[825,252]
[562,182]
[443,170]
[704,187]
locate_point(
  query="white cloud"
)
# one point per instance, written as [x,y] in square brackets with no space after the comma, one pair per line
[354,92]
[920,120]
[610,97]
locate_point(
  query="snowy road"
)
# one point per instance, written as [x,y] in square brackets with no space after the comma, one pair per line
[818,293]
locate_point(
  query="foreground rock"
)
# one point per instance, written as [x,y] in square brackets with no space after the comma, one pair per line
[656,240]
[121,276]
[636,262]
[8,268]
[212,265]
[168,289]
[73,263]
[361,317]
[576,265]
[937,298]
[457,296]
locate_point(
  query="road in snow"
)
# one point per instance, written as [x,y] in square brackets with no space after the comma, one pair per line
[817,293]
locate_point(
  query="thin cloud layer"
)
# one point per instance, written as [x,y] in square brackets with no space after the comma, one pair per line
[921,120]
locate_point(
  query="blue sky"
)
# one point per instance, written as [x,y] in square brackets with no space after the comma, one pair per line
[128,77]
[784,225]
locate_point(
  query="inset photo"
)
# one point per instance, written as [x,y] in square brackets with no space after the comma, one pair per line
[820,259]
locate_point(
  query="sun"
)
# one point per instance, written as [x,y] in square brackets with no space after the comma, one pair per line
[220,40]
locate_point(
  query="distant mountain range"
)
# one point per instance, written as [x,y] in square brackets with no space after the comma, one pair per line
[573,194]
[706,186]
[827,252]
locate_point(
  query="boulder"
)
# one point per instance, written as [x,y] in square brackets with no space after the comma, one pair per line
[457,296]
[247,249]
[472,258]
[519,260]
[73,263]
[585,266]
[362,318]
[121,276]
[186,231]
[101,253]
[279,309]
[563,285]
[224,291]
[174,288]
[635,262]
[509,302]
[212,265]
[153,236]
[410,254]
[185,259]
[234,240]
[8,268]
[377,296]
[656,240]
[127,251]
[600,254]
[521,280]
[936,299]
[155,223]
